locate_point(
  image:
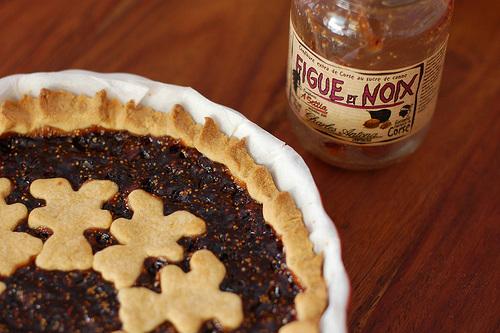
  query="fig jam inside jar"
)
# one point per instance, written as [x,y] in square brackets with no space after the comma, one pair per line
[363,77]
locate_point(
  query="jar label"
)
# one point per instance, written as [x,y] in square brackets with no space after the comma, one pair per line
[361,107]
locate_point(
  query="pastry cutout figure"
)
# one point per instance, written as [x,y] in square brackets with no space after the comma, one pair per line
[148,234]
[187,299]
[16,248]
[68,214]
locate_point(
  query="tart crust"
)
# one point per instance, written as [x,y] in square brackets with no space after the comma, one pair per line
[64,111]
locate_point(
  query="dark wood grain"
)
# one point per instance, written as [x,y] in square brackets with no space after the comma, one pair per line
[421,239]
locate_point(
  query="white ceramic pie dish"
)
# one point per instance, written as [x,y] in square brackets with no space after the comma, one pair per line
[288,169]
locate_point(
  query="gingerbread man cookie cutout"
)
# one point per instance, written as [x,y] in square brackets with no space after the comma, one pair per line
[16,248]
[187,300]
[68,214]
[148,234]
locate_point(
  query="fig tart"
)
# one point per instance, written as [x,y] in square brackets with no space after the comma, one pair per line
[120,218]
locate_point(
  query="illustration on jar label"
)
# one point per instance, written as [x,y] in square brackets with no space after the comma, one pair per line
[358,106]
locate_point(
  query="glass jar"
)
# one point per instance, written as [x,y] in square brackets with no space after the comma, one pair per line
[363,76]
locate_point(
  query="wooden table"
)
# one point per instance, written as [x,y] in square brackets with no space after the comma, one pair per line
[421,239]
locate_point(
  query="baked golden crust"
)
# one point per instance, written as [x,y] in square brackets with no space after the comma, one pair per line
[148,234]
[67,249]
[64,111]
[179,301]
[16,249]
